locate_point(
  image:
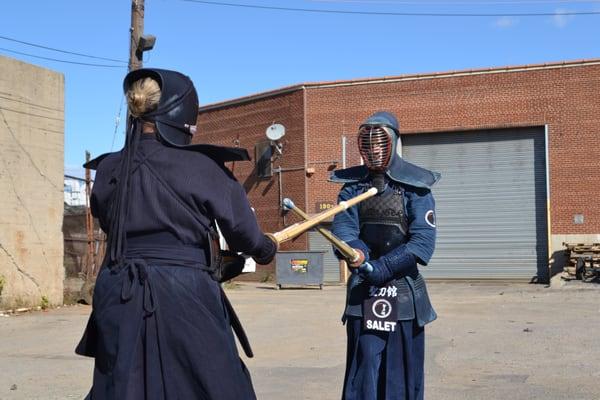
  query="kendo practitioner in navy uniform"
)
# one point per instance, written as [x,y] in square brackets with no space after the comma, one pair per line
[387,302]
[160,325]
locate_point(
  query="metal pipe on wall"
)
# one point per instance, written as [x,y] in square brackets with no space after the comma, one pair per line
[279,170]
[344,141]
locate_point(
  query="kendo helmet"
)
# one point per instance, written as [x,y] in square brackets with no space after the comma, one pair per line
[177,111]
[378,137]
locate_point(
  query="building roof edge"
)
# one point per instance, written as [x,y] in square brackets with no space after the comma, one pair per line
[398,78]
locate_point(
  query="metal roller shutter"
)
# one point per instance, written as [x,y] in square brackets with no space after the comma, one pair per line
[331,264]
[490,203]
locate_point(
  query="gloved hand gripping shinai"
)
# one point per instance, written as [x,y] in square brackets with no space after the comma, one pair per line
[396,264]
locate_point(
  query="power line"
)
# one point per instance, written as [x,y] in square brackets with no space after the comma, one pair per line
[62,61]
[31,114]
[77,178]
[397,14]
[60,51]
[117,122]
[450,2]
[28,103]
[15,140]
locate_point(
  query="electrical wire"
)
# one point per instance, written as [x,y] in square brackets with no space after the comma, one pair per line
[465,3]
[60,50]
[397,14]
[30,114]
[117,122]
[24,150]
[28,103]
[62,61]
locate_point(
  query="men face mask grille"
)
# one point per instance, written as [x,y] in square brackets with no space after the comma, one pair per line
[375,147]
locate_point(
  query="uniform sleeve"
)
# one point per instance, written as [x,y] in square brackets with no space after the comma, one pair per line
[231,209]
[95,210]
[420,209]
[346,224]
[103,190]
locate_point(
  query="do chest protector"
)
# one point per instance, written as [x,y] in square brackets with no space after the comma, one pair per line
[383,221]
[383,227]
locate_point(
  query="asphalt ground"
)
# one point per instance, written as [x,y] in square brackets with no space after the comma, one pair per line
[492,340]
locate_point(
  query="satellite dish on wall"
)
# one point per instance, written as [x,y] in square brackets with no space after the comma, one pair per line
[275,132]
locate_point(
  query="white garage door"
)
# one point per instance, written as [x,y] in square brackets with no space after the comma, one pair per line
[491,202]
[331,265]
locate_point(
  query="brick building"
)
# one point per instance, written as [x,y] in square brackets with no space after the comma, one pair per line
[518,148]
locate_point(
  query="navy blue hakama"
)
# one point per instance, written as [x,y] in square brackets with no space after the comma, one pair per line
[162,331]
[384,365]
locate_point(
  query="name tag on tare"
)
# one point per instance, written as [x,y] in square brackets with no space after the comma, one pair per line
[379,310]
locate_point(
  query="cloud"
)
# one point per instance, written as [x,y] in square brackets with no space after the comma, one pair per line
[506,22]
[560,20]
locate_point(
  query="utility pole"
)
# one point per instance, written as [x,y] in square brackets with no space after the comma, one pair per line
[136,30]
[138,42]
[90,266]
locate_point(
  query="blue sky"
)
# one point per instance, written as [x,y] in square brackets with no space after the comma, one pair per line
[235,51]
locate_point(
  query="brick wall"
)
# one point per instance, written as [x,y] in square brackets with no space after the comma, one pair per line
[563,96]
[245,124]
[566,99]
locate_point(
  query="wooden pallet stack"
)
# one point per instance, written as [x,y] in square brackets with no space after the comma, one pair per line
[584,262]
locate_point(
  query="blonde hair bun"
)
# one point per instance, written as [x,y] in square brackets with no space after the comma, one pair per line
[143,96]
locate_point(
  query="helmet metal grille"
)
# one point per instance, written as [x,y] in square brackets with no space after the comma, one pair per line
[375,147]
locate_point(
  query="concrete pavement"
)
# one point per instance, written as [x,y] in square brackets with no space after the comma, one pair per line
[491,341]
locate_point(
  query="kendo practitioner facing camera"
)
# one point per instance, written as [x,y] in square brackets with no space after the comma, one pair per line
[161,325]
[387,301]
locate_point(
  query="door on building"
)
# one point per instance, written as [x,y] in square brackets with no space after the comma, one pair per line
[490,202]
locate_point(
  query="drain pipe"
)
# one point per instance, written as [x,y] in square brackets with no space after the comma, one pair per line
[279,170]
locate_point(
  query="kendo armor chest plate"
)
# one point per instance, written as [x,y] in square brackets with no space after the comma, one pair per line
[383,221]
